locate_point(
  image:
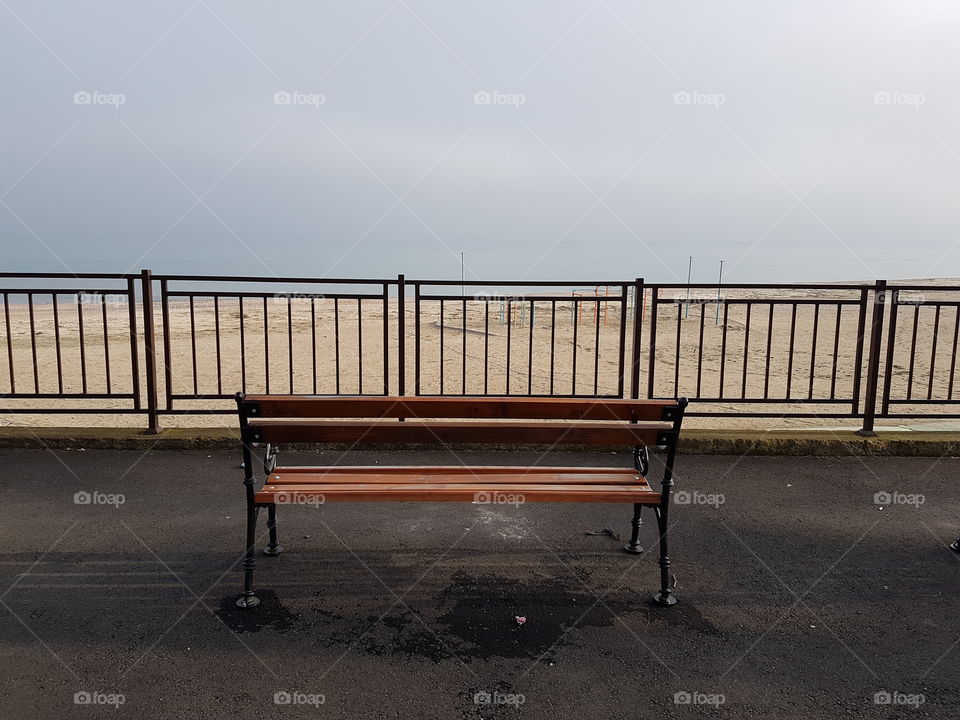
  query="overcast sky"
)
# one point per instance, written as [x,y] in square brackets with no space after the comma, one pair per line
[571,140]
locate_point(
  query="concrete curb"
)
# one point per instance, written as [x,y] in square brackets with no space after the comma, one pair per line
[695,441]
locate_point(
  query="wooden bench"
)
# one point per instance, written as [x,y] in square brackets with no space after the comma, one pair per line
[266,420]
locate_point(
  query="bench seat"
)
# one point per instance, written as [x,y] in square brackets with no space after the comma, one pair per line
[437,483]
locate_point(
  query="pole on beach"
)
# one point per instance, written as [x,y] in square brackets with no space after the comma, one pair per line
[719,284]
[686,309]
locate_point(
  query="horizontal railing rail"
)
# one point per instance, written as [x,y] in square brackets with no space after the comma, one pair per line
[176,344]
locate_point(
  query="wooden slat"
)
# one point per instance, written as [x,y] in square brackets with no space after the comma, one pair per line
[489,493]
[469,470]
[303,406]
[333,476]
[620,434]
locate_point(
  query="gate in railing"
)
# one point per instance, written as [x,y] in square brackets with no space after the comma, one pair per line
[99,343]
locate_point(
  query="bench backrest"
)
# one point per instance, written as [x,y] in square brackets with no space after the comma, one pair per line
[354,419]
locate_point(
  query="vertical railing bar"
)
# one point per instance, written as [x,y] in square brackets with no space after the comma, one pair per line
[793,336]
[553,337]
[386,339]
[530,353]
[813,350]
[416,338]
[266,344]
[913,351]
[953,353]
[933,350]
[106,342]
[596,347]
[766,369]
[893,301]
[442,389]
[746,352]
[193,347]
[336,341]
[486,346]
[360,345]
[167,341]
[509,339]
[703,307]
[6,316]
[83,350]
[576,323]
[56,341]
[313,340]
[723,349]
[858,359]
[401,335]
[463,386]
[638,297]
[676,365]
[622,342]
[836,354]
[33,345]
[652,359]
[149,350]
[873,362]
[216,334]
[243,348]
[290,340]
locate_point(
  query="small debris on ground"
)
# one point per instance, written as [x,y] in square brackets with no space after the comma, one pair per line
[606,531]
[520,619]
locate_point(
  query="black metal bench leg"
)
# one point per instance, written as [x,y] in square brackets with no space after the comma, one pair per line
[633,547]
[274,548]
[248,599]
[665,596]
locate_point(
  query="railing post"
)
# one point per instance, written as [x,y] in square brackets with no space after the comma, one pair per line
[638,292]
[652,360]
[150,352]
[873,360]
[401,336]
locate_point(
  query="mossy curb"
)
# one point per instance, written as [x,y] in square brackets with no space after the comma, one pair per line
[837,443]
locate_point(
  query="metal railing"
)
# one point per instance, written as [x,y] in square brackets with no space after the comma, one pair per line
[184,344]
